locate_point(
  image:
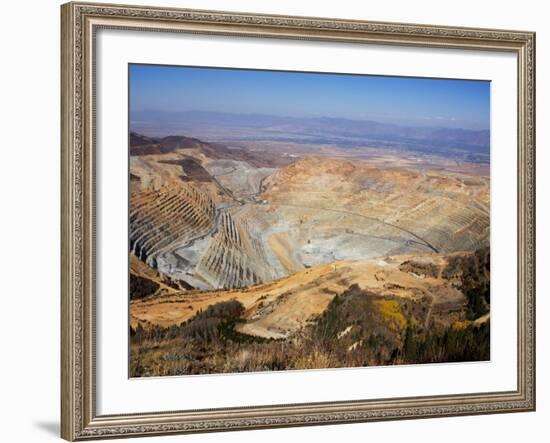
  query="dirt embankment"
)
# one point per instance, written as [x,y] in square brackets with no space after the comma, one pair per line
[282,307]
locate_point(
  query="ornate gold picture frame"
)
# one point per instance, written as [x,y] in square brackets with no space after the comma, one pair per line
[80,23]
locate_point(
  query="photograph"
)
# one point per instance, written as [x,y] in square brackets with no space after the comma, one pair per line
[282,220]
[284,217]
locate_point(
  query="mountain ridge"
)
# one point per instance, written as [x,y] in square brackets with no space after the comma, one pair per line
[346,130]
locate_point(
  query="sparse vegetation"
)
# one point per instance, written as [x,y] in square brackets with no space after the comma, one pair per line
[358,328]
[419,268]
[141,287]
[474,275]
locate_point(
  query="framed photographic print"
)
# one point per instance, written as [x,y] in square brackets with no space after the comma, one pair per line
[282,221]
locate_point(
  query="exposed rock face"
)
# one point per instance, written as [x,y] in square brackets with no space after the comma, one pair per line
[179,231]
[233,258]
[385,211]
[209,218]
[162,220]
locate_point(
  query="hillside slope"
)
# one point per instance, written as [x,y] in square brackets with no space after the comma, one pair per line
[280,308]
[390,310]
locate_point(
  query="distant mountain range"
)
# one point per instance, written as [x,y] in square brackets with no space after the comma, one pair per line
[343,131]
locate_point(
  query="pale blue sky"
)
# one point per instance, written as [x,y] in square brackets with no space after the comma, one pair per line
[401,100]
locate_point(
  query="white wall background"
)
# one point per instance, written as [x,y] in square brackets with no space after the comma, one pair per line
[29,202]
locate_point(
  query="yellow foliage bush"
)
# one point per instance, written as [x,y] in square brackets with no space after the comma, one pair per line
[391,311]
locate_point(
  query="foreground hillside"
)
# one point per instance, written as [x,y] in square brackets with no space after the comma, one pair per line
[391,310]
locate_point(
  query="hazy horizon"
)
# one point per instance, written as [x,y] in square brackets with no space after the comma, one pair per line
[402,101]
[434,125]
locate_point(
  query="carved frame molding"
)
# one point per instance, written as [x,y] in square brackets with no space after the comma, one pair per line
[80,21]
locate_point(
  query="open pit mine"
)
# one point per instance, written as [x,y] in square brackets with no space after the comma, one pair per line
[285,236]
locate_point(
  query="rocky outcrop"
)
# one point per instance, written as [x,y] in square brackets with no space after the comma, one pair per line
[171,217]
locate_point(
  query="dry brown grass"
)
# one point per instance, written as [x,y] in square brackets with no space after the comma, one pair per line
[315,360]
[307,294]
